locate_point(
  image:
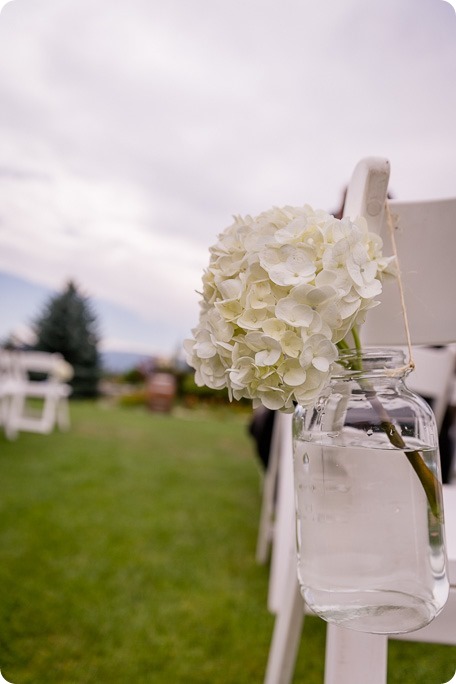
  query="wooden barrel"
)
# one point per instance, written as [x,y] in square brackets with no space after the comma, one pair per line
[161,391]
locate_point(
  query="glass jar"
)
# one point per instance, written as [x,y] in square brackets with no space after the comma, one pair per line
[369,509]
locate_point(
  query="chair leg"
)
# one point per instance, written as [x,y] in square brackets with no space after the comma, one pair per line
[48,415]
[286,637]
[267,515]
[63,414]
[355,657]
[13,413]
[283,554]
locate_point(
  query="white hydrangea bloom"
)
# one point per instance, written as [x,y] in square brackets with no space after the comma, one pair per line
[281,290]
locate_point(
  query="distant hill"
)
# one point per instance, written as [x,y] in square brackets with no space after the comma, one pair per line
[121,362]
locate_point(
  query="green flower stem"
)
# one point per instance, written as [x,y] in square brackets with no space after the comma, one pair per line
[356,339]
[343,344]
[426,476]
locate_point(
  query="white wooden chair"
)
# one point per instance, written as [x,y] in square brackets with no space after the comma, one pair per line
[354,657]
[49,393]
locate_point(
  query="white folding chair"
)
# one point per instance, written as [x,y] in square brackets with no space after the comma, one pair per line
[354,657]
[49,393]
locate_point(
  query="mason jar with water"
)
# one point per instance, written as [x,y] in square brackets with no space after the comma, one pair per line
[369,510]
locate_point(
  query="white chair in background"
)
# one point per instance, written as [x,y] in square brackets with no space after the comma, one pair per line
[49,393]
[425,235]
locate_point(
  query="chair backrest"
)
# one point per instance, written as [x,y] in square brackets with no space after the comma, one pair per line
[425,235]
[51,365]
[5,362]
[9,371]
[433,376]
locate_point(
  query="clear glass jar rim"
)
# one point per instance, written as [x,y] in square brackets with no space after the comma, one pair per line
[368,361]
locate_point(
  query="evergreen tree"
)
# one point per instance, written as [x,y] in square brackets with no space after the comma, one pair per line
[68,325]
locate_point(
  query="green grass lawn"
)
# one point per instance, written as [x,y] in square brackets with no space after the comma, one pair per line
[127,555]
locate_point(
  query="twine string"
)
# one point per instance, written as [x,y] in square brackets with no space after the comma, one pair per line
[410,365]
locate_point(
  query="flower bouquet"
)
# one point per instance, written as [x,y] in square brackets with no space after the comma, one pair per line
[281,294]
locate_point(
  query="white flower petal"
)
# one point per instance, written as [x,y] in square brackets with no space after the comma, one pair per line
[321,363]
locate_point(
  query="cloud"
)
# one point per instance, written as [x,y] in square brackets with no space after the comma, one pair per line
[130,132]
[103,236]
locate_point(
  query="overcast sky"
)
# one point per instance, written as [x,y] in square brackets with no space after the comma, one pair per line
[131,131]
